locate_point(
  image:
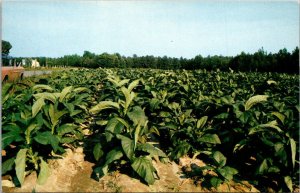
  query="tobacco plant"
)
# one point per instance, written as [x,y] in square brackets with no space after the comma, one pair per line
[40,121]
[125,136]
[244,126]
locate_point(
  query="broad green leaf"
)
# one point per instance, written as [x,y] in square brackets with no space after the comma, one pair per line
[186,87]
[42,87]
[222,116]
[54,141]
[133,84]
[20,164]
[262,127]
[102,122]
[254,100]
[112,80]
[173,105]
[280,151]
[280,106]
[55,115]
[104,105]
[219,158]
[37,106]
[46,95]
[44,172]
[114,126]
[154,129]
[298,108]
[149,148]
[227,172]
[112,156]
[8,165]
[182,119]
[6,88]
[244,117]
[154,94]
[80,89]
[48,138]
[137,115]
[127,145]
[187,112]
[67,140]
[11,136]
[231,170]
[28,131]
[154,103]
[143,166]
[122,82]
[164,114]
[75,112]
[267,142]
[273,169]
[136,135]
[263,167]
[66,128]
[52,115]
[210,138]
[215,182]
[129,96]
[171,126]
[227,99]
[123,122]
[11,126]
[43,137]
[280,116]
[70,107]
[201,122]
[271,82]
[97,151]
[5,98]
[64,93]
[293,150]
[289,183]
[180,150]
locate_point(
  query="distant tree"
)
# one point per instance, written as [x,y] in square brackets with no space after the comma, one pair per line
[42,61]
[6,46]
[88,54]
[283,57]
[89,59]
[295,60]
[283,61]
[197,62]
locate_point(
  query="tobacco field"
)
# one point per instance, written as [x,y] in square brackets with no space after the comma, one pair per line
[244,126]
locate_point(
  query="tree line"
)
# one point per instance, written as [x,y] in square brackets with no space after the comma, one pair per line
[260,61]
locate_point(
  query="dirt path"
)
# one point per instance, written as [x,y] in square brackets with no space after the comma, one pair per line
[73,174]
[36,72]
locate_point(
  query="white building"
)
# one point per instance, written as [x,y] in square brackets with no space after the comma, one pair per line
[23,62]
[35,63]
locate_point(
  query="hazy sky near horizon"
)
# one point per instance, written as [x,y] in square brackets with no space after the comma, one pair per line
[170,27]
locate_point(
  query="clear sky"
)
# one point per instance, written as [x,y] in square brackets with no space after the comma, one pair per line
[170,27]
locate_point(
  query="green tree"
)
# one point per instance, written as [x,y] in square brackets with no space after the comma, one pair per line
[6,46]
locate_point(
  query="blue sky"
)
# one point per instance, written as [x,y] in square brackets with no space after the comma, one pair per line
[170,27]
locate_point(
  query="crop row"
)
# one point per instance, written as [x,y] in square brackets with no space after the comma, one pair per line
[244,126]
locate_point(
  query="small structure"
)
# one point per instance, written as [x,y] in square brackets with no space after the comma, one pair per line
[35,63]
[23,62]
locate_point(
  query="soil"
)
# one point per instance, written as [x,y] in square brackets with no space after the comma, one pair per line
[73,174]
